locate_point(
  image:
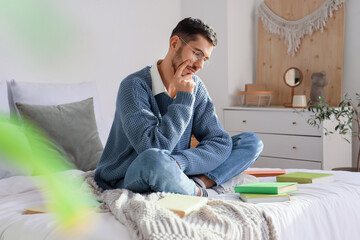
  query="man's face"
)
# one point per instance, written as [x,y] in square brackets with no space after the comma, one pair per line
[192,50]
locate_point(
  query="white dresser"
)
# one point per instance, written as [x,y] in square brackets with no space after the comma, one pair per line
[289,141]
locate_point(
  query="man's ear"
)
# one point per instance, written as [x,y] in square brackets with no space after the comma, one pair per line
[175,42]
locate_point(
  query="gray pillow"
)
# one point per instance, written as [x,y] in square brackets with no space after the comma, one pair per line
[71,127]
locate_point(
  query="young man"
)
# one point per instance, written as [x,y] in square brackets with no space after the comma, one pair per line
[158,109]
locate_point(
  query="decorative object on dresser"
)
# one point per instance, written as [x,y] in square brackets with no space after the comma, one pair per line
[292,78]
[342,116]
[255,95]
[289,142]
[299,101]
[319,81]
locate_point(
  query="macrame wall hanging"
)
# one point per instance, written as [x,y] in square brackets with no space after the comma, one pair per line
[293,31]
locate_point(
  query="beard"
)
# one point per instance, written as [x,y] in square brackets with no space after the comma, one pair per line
[178,60]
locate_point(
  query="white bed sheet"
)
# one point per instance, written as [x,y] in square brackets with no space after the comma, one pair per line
[19,192]
[322,211]
[317,211]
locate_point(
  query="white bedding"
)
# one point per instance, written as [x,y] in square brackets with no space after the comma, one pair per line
[19,192]
[317,211]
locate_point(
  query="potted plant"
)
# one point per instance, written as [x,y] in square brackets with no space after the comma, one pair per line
[343,115]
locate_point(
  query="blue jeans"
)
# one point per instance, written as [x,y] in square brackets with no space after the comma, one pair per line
[155,171]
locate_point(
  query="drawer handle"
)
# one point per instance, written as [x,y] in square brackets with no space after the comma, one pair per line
[294,123]
[294,147]
[244,121]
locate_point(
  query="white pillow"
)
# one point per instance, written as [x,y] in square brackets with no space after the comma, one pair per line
[58,93]
[4,100]
[6,170]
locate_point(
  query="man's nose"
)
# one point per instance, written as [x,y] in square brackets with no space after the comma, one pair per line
[199,64]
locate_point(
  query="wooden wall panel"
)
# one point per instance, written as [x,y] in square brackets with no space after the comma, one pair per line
[317,52]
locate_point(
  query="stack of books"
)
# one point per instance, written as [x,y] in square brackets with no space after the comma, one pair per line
[266,191]
[278,191]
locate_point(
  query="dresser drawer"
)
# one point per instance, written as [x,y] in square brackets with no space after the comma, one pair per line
[280,122]
[269,162]
[296,147]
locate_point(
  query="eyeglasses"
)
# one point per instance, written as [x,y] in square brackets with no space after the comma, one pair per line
[199,55]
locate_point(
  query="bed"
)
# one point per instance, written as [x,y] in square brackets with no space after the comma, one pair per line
[316,211]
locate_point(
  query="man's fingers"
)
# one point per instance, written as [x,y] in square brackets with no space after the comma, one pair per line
[181,68]
[183,83]
[189,82]
[187,77]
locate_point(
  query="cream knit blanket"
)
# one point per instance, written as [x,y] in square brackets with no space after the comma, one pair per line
[219,219]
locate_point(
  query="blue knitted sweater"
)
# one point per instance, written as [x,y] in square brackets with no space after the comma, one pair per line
[144,121]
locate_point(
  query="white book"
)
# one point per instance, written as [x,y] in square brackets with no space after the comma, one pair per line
[182,205]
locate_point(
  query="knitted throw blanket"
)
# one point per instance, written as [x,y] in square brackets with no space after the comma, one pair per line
[293,31]
[219,219]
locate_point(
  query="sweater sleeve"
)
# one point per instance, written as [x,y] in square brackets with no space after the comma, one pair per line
[214,142]
[141,126]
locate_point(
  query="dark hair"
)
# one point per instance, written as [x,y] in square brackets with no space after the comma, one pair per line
[189,27]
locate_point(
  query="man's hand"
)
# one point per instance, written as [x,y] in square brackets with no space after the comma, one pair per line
[184,82]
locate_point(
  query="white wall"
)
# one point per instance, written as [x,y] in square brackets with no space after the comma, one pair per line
[215,77]
[83,40]
[351,83]
[352,48]
[242,32]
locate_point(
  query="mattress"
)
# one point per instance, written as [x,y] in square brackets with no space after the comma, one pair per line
[316,211]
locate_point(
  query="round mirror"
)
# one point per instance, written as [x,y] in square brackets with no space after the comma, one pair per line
[293,77]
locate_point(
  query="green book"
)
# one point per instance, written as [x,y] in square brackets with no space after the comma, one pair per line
[267,187]
[262,198]
[306,177]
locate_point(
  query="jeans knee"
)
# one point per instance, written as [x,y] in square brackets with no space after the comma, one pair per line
[258,143]
[152,170]
[152,160]
[249,139]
